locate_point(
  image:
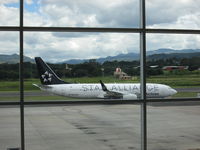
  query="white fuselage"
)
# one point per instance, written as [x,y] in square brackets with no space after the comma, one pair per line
[95,90]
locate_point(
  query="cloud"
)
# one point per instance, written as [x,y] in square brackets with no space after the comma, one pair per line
[8,1]
[88,46]
[176,41]
[99,13]
[163,11]
[9,16]
[29,2]
[9,42]
[189,21]
[173,41]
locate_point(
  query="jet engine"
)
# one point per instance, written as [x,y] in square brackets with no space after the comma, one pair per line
[129,97]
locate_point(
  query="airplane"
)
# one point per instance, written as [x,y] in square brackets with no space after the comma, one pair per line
[50,82]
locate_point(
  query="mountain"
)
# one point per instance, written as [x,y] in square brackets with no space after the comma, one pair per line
[173,55]
[163,53]
[120,57]
[13,59]
[170,51]
[73,61]
[153,54]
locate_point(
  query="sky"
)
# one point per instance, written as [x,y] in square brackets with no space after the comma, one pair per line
[181,14]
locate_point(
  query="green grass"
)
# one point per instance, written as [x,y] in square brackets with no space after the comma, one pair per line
[176,81]
[35,98]
[185,94]
[14,85]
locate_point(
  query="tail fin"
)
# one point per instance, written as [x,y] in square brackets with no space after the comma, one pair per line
[47,76]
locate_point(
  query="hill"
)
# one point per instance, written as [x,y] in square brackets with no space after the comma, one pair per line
[13,59]
[170,51]
[154,54]
[173,55]
[163,53]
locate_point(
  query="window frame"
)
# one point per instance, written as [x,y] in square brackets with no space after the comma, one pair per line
[142,30]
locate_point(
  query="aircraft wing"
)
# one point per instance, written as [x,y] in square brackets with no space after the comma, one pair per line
[116,95]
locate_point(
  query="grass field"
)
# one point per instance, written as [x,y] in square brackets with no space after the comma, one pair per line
[172,80]
[34,98]
[177,81]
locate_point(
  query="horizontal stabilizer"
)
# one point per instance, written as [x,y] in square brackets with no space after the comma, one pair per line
[42,86]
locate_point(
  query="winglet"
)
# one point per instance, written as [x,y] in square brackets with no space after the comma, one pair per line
[104,88]
[36,85]
[42,86]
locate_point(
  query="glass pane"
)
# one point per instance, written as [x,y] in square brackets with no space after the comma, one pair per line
[9,66]
[81,58]
[82,13]
[173,61]
[173,125]
[9,12]
[178,14]
[9,127]
[83,127]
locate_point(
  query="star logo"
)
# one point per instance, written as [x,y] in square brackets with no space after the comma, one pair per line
[47,77]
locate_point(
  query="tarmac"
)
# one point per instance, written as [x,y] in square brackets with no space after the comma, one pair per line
[101,127]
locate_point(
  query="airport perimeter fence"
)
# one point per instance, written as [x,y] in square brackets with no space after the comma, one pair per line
[142,30]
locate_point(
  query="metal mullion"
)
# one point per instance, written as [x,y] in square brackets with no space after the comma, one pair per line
[110,102]
[7,28]
[142,30]
[9,103]
[82,29]
[88,102]
[172,31]
[21,70]
[85,29]
[143,75]
[174,100]
[143,92]
[100,102]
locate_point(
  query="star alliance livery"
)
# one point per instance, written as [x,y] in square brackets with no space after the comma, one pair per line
[50,82]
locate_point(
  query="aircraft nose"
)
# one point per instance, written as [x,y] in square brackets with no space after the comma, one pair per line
[173,91]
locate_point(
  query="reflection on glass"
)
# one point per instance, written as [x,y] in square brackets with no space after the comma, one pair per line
[177,15]
[71,65]
[9,128]
[84,13]
[83,127]
[173,125]
[9,66]
[173,60]
[9,13]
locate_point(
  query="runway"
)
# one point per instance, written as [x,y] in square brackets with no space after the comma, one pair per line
[189,89]
[26,93]
[101,127]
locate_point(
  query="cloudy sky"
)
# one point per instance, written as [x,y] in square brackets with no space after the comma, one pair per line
[182,14]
